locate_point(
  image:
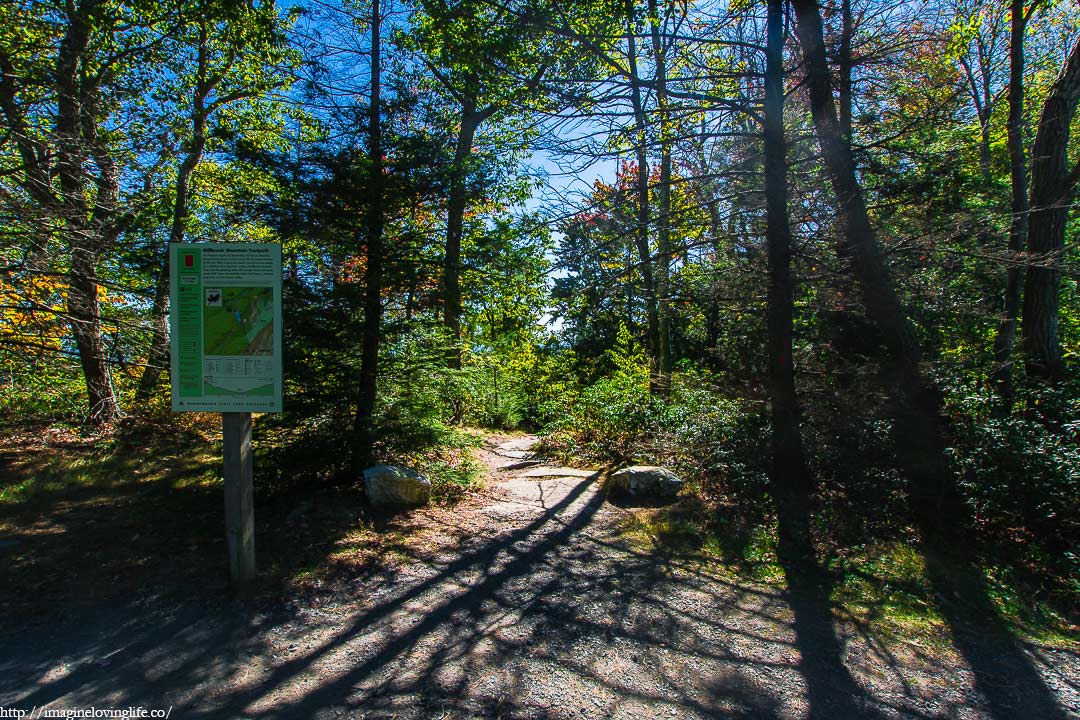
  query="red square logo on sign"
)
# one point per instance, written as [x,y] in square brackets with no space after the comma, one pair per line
[189,261]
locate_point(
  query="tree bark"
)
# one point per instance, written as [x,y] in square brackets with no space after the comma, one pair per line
[455,221]
[85,314]
[364,431]
[1052,186]
[789,476]
[986,62]
[1018,225]
[75,115]
[663,231]
[979,89]
[641,234]
[984,151]
[918,426]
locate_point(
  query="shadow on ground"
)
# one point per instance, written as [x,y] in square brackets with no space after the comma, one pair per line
[551,616]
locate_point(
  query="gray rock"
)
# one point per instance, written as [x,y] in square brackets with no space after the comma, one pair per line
[393,486]
[647,481]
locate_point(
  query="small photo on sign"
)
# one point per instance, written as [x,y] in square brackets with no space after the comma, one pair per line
[213,297]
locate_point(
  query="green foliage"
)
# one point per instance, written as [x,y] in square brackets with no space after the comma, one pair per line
[493,397]
[40,391]
[712,440]
[449,463]
[418,393]
[1020,472]
[603,421]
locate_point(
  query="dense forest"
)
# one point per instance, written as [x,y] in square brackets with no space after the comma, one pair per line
[820,257]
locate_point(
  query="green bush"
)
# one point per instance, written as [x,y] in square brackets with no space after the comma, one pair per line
[606,420]
[718,443]
[1019,472]
[50,389]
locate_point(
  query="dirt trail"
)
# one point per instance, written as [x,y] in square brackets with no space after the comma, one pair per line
[530,606]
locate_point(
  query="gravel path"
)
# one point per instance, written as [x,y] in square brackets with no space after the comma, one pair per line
[528,605]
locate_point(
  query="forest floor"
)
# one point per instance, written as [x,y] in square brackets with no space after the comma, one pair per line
[530,599]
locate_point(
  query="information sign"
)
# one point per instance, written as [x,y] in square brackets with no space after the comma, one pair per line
[226,327]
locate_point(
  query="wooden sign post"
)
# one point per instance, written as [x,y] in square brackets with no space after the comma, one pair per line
[239,495]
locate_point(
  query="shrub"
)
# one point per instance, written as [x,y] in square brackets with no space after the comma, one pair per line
[714,441]
[1020,473]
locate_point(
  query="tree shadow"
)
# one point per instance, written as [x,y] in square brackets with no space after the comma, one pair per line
[147,522]
[1004,674]
[528,609]
[832,691]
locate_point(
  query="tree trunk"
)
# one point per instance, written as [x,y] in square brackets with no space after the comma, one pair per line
[455,220]
[158,357]
[789,476]
[641,234]
[983,100]
[663,232]
[1018,225]
[364,431]
[1052,188]
[918,427]
[85,313]
[75,115]
[984,152]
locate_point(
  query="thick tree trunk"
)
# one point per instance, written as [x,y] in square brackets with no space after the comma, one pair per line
[789,476]
[859,236]
[364,431]
[641,234]
[1018,225]
[85,313]
[1052,186]
[918,427]
[75,115]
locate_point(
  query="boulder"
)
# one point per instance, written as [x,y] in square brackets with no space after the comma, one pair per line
[647,481]
[393,486]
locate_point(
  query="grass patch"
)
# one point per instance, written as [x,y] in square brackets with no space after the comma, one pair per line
[1035,620]
[47,463]
[693,529]
[883,586]
[886,586]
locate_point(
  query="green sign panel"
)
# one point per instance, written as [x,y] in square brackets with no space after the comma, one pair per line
[225,324]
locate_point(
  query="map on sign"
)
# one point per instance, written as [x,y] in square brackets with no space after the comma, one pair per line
[226,327]
[239,321]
